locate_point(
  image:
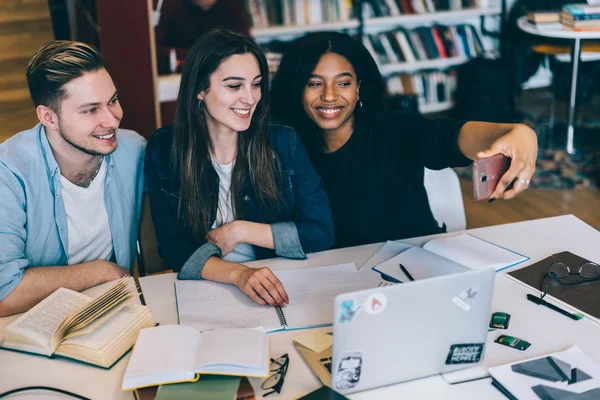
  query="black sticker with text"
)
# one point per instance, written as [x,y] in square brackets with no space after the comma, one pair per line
[468,353]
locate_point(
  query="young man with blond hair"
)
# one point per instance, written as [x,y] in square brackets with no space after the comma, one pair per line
[71,187]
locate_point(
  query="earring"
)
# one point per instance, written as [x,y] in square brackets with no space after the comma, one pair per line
[359,105]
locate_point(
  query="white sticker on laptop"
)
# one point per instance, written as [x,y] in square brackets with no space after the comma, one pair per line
[375,303]
[466,299]
[347,371]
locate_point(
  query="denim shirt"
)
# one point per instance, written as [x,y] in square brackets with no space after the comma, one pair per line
[33,222]
[302,224]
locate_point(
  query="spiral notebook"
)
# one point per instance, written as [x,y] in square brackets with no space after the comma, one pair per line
[208,305]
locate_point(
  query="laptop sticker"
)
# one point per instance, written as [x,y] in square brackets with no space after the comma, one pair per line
[347,372]
[348,311]
[467,353]
[466,299]
[375,303]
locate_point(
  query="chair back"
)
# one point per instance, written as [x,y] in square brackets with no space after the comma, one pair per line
[149,262]
[445,198]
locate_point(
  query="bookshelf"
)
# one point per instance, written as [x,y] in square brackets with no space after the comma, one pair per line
[274,22]
[412,67]
[428,18]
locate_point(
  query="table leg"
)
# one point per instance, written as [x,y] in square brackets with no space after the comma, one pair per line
[575,58]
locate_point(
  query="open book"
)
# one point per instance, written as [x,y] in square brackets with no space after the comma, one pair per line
[70,324]
[568,374]
[449,255]
[178,353]
[207,305]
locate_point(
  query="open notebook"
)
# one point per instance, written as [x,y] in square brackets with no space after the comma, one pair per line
[207,305]
[449,255]
[178,353]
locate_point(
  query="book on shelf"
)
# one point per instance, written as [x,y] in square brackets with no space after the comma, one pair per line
[179,353]
[207,305]
[449,255]
[272,13]
[70,324]
[424,43]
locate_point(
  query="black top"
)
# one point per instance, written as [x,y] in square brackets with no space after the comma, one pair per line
[375,181]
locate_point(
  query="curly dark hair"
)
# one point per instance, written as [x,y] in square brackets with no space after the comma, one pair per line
[298,62]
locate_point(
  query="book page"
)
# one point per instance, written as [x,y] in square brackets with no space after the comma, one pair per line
[161,355]
[473,253]
[420,264]
[224,350]
[207,305]
[312,291]
[40,323]
[78,319]
[106,332]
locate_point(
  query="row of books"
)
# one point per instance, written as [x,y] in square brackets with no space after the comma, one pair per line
[385,8]
[267,13]
[430,87]
[424,43]
[573,17]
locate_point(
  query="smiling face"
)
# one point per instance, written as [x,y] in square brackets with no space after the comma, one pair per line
[233,94]
[90,114]
[331,94]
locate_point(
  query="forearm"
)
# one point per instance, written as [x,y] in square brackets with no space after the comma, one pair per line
[256,233]
[38,283]
[475,136]
[218,270]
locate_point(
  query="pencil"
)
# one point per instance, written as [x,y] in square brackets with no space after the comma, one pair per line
[408,275]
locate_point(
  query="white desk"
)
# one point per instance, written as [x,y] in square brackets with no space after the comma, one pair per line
[526,26]
[547,330]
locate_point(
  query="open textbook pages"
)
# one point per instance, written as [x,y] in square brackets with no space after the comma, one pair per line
[568,374]
[178,353]
[208,305]
[449,255]
[67,323]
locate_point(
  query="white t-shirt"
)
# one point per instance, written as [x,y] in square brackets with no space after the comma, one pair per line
[87,220]
[243,252]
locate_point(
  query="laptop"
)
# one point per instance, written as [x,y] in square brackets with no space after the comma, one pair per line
[392,334]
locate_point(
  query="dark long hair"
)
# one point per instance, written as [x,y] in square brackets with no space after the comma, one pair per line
[191,157]
[299,61]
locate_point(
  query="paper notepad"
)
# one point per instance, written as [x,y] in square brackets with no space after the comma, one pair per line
[207,305]
[568,374]
[177,353]
[449,255]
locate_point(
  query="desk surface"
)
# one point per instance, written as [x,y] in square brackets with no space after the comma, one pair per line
[528,27]
[548,331]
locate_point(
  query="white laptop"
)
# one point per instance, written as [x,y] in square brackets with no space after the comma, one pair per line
[397,333]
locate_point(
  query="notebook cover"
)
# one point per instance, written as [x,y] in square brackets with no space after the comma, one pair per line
[206,388]
[324,393]
[584,296]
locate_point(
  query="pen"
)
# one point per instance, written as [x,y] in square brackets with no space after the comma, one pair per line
[408,275]
[542,302]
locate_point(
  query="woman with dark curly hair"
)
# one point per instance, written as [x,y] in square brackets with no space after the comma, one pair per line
[329,89]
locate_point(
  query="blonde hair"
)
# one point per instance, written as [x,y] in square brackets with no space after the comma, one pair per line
[54,65]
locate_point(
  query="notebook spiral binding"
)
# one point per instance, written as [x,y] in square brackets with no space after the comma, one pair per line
[280,316]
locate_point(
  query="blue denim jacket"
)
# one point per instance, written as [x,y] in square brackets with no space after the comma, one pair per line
[303,224]
[33,222]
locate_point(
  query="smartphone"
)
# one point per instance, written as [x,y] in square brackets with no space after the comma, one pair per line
[487,173]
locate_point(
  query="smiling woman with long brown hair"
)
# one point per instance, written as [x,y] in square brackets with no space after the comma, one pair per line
[226,187]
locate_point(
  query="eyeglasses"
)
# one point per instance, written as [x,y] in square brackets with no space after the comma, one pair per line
[278,369]
[559,271]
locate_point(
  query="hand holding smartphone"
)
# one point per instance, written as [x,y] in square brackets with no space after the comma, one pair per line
[487,173]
